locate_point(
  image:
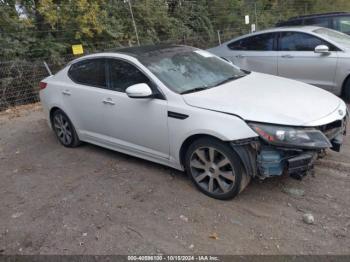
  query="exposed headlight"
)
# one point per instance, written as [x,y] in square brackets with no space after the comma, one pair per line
[291,137]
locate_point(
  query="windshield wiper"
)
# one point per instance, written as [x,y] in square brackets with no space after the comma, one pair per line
[207,87]
[228,80]
[194,90]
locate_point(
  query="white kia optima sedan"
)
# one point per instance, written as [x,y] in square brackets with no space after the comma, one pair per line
[191,110]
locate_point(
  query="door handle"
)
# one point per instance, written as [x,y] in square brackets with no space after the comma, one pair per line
[240,56]
[66,92]
[108,101]
[287,56]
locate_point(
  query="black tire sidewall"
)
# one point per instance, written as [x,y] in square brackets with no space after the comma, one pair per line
[229,153]
[346,91]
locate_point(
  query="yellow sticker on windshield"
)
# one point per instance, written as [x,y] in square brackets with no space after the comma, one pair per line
[77,49]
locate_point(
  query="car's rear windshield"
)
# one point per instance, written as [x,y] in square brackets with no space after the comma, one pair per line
[335,36]
[183,69]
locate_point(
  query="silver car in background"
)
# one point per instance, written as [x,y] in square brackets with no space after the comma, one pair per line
[314,55]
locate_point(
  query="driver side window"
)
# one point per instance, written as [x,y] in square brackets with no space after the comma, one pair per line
[123,74]
[296,41]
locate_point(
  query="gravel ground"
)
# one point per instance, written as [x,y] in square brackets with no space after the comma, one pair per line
[90,200]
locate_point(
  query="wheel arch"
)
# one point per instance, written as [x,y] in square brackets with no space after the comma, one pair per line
[344,84]
[188,141]
[52,111]
[54,108]
[75,137]
[244,152]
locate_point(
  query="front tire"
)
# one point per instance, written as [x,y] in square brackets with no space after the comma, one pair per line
[215,168]
[346,90]
[64,129]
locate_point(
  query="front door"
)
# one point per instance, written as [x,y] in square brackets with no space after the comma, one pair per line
[298,60]
[139,124]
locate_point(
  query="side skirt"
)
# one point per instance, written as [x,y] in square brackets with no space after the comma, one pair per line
[112,146]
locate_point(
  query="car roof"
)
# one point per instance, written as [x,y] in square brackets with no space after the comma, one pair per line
[331,14]
[301,28]
[306,29]
[141,51]
[138,52]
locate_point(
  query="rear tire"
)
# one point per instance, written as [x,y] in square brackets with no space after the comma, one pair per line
[346,90]
[215,168]
[64,129]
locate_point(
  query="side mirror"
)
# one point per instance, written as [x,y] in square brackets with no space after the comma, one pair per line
[139,91]
[322,49]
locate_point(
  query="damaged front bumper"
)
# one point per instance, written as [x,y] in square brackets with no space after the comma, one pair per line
[277,161]
[263,160]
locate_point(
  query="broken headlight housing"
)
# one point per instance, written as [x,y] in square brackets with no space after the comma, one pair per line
[291,136]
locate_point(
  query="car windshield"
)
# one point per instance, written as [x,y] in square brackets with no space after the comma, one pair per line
[335,36]
[186,70]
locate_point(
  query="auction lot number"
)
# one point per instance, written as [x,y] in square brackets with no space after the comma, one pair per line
[172,258]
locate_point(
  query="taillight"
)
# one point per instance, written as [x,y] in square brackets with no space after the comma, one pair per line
[42,85]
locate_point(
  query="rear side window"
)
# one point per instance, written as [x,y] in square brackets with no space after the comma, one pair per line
[89,72]
[295,41]
[123,74]
[262,42]
[342,24]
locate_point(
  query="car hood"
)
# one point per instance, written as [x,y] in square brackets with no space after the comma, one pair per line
[266,98]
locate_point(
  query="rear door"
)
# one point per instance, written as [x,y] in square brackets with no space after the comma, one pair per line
[255,53]
[342,24]
[298,60]
[83,93]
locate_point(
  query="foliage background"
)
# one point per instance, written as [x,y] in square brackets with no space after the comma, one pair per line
[33,31]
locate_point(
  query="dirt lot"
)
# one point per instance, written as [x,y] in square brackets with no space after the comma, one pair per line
[91,200]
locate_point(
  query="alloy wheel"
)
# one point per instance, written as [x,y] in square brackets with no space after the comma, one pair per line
[63,129]
[212,170]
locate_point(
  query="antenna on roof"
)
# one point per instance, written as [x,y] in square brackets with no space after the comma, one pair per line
[47,68]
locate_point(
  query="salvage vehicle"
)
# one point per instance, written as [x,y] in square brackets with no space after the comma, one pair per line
[188,109]
[314,55]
